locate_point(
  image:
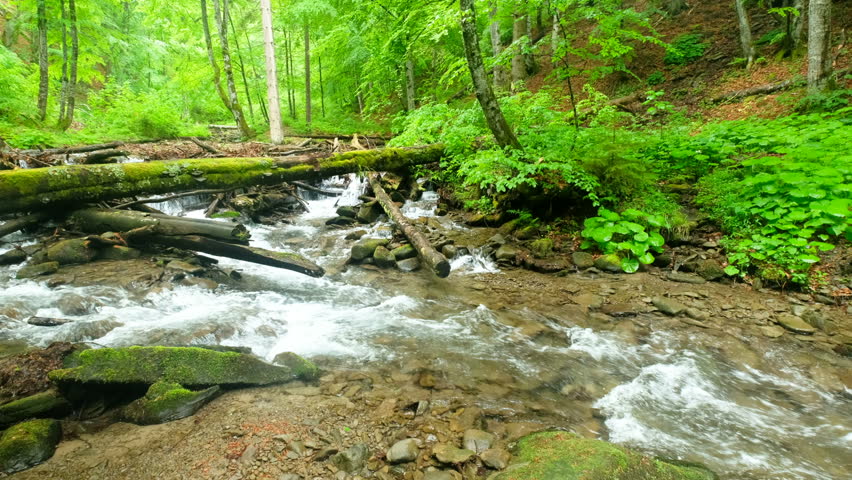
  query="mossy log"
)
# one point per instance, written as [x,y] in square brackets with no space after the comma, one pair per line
[20,223]
[34,189]
[431,257]
[100,220]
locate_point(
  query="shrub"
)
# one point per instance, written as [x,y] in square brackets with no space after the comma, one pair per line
[685,49]
[633,235]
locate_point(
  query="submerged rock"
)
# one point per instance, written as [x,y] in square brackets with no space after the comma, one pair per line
[352,459]
[71,251]
[165,402]
[13,257]
[34,406]
[188,366]
[564,456]
[403,451]
[28,444]
[408,265]
[38,269]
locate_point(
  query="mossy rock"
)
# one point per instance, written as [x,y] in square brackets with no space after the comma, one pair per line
[710,270]
[365,247]
[37,270]
[68,252]
[118,252]
[27,444]
[189,366]
[564,456]
[302,368]
[404,251]
[48,403]
[348,212]
[167,401]
[609,263]
[542,248]
[369,212]
[384,258]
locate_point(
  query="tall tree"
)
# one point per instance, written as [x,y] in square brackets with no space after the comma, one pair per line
[276,132]
[409,85]
[63,92]
[222,13]
[43,77]
[519,34]
[496,47]
[819,46]
[307,74]
[67,114]
[484,94]
[745,32]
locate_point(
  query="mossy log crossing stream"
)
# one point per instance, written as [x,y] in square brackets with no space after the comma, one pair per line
[34,189]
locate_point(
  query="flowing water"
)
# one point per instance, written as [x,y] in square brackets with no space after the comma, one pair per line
[666,394]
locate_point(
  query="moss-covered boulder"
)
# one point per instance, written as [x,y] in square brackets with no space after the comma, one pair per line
[167,401]
[118,252]
[369,212]
[564,456]
[542,248]
[67,252]
[27,444]
[189,366]
[405,251]
[37,269]
[365,247]
[609,263]
[384,258]
[44,404]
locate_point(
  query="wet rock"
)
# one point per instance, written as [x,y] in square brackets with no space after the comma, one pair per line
[772,331]
[384,258]
[352,459]
[356,235]
[205,283]
[72,251]
[167,401]
[27,444]
[13,257]
[668,306]
[75,305]
[118,252]
[187,366]
[794,324]
[497,240]
[82,331]
[365,247]
[369,212]
[341,221]
[441,475]
[619,309]
[495,458]
[710,270]
[450,251]
[44,404]
[348,212]
[477,440]
[403,451]
[408,265]
[179,266]
[663,259]
[588,300]
[569,457]
[608,263]
[546,265]
[685,278]
[526,233]
[403,252]
[506,252]
[47,321]
[816,319]
[542,248]
[36,270]
[583,260]
[450,454]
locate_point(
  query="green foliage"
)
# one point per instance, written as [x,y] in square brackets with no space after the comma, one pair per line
[826,101]
[525,219]
[685,49]
[656,78]
[633,235]
[13,101]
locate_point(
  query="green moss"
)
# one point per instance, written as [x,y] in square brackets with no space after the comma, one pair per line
[167,401]
[40,404]
[185,365]
[226,214]
[564,456]
[27,444]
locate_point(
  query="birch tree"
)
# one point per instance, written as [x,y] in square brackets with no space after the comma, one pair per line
[819,46]
[276,133]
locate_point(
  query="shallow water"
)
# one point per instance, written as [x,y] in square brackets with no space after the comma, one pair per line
[663,393]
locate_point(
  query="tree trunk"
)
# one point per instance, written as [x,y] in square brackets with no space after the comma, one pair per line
[63,92]
[496,47]
[242,66]
[798,25]
[255,76]
[745,33]
[217,80]
[431,257]
[222,25]
[20,223]
[819,46]
[409,85]
[43,77]
[554,40]
[70,98]
[71,185]
[519,67]
[490,108]
[291,96]
[99,220]
[308,75]
[276,132]
[322,88]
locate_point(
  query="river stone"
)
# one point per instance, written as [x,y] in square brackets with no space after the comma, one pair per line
[408,265]
[440,475]
[184,267]
[365,247]
[794,324]
[583,260]
[341,221]
[91,330]
[506,252]
[450,454]
[495,458]
[32,271]
[609,263]
[72,251]
[542,248]
[189,366]
[27,444]
[165,402]
[74,305]
[43,404]
[348,212]
[526,233]
[772,331]
[47,321]
[477,440]
[450,251]
[403,451]
[384,258]
[564,456]
[118,252]
[685,278]
[815,319]
[356,235]
[668,306]
[13,257]
[369,212]
[405,251]
[710,270]
[352,459]
[496,240]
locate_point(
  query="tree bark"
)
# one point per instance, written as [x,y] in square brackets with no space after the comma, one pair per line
[288,62]
[307,75]
[222,15]
[409,85]
[242,66]
[99,220]
[20,223]
[497,48]
[431,257]
[519,67]
[485,95]
[322,88]
[217,79]
[819,46]
[276,132]
[70,96]
[63,92]
[255,76]
[45,188]
[745,33]
[43,77]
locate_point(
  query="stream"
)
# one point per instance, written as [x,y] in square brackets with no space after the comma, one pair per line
[664,393]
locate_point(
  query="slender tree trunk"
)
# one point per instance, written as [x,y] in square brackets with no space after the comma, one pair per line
[798,25]
[255,77]
[307,75]
[276,133]
[242,66]
[322,88]
[519,68]
[819,46]
[745,33]
[222,15]
[554,40]
[496,47]
[217,79]
[72,81]
[63,92]
[409,85]
[43,77]
[490,108]
[288,61]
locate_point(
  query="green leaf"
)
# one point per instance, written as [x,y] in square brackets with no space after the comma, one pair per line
[630,265]
[732,270]
[809,259]
[646,259]
[656,239]
[641,237]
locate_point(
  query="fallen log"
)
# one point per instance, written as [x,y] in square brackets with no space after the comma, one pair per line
[69,150]
[101,156]
[311,188]
[205,146]
[289,261]
[100,220]
[759,90]
[20,223]
[34,189]
[431,257]
[172,197]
